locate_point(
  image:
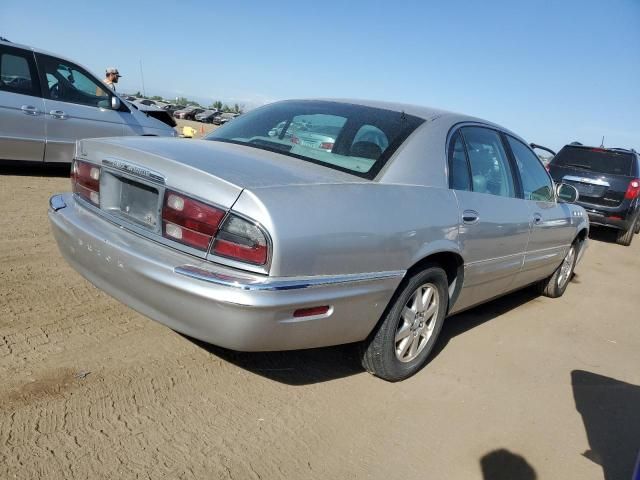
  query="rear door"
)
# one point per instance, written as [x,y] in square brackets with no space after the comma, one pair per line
[552,228]
[22,121]
[77,106]
[494,220]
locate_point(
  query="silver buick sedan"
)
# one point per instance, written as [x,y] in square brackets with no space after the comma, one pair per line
[252,241]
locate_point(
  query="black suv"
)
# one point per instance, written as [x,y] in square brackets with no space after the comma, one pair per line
[608,181]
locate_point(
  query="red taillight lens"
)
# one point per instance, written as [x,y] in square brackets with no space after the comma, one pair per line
[241,240]
[189,221]
[85,181]
[326,145]
[633,190]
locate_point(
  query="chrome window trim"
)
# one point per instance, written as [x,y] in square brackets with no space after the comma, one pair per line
[592,181]
[283,283]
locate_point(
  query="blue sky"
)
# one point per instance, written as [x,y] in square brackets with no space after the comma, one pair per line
[552,71]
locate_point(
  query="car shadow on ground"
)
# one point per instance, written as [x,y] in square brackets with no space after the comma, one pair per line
[35,169]
[504,465]
[603,234]
[305,367]
[610,412]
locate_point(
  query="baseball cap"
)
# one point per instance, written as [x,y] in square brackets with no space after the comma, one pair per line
[113,70]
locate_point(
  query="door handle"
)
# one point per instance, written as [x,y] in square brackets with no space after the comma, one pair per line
[29,110]
[537,219]
[58,114]
[470,216]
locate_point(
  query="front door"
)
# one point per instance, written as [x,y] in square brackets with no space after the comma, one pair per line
[551,228]
[494,221]
[22,121]
[77,106]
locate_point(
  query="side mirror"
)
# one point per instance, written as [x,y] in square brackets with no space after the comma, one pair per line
[567,193]
[115,103]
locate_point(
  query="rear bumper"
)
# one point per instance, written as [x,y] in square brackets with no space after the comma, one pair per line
[621,219]
[216,304]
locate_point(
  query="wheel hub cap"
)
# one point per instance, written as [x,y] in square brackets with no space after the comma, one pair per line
[417,321]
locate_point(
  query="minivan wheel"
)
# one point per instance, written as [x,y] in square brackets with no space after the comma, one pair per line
[556,284]
[401,343]
[626,236]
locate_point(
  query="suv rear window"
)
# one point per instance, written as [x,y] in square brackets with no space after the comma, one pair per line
[351,138]
[595,160]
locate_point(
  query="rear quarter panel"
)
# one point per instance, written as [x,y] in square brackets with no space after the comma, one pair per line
[329,229]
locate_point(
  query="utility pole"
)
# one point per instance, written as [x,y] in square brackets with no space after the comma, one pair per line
[144,92]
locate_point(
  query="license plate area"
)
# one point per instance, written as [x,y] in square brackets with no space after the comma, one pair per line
[130,200]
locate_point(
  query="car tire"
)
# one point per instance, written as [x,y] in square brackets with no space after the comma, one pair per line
[625,237]
[637,230]
[401,342]
[555,285]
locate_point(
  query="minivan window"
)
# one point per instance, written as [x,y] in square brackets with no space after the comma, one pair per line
[17,72]
[595,160]
[351,138]
[490,169]
[535,181]
[67,82]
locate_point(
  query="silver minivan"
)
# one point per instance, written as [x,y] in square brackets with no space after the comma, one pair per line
[48,102]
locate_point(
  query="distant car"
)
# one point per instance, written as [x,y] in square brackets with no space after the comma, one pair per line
[251,242]
[47,103]
[608,180]
[146,101]
[188,113]
[223,118]
[206,116]
[172,108]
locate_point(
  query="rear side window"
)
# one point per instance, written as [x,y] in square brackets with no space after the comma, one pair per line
[490,168]
[595,160]
[459,178]
[18,72]
[535,181]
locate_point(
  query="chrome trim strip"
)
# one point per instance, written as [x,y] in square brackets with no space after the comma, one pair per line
[275,284]
[592,181]
[528,252]
[56,203]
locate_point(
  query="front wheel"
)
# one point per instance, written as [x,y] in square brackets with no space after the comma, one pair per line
[556,284]
[403,340]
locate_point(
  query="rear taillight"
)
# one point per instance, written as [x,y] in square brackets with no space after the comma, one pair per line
[85,181]
[326,145]
[189,221]
[633,190]
[241,240]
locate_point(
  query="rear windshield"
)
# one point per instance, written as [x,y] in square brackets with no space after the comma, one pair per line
[351,138]
[596,160]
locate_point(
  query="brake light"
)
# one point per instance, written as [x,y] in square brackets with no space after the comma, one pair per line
[241,240]
[326,145]
[189,221]
[85,181]
[633,190]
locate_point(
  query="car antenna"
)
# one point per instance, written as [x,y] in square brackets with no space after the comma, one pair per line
[602,143]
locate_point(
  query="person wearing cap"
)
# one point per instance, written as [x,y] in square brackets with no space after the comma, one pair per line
[112,76]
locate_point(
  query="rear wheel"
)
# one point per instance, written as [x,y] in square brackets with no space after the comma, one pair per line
[556,284]
[637,230]
[402,342]
[626,236]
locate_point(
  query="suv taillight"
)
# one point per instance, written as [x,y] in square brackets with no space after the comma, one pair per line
[633,190]
[85,181]
[189,221]
[242,240]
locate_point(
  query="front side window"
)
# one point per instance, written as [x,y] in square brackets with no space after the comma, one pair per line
[68,83]
[490,169]
[535,182]
[17,72]
[352,138]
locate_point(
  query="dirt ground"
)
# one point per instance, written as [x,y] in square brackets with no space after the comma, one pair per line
[525,386]
[201,128]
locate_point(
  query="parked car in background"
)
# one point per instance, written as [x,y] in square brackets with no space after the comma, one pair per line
[155,112]
[608,180]
[48,102]
[276,245]
[206,116]
[172,108]
[188,113]
[223,118]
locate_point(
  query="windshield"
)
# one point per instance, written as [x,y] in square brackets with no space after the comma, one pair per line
[595,159]
[351,138]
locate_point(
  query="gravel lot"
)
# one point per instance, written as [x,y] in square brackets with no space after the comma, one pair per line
[91,389]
